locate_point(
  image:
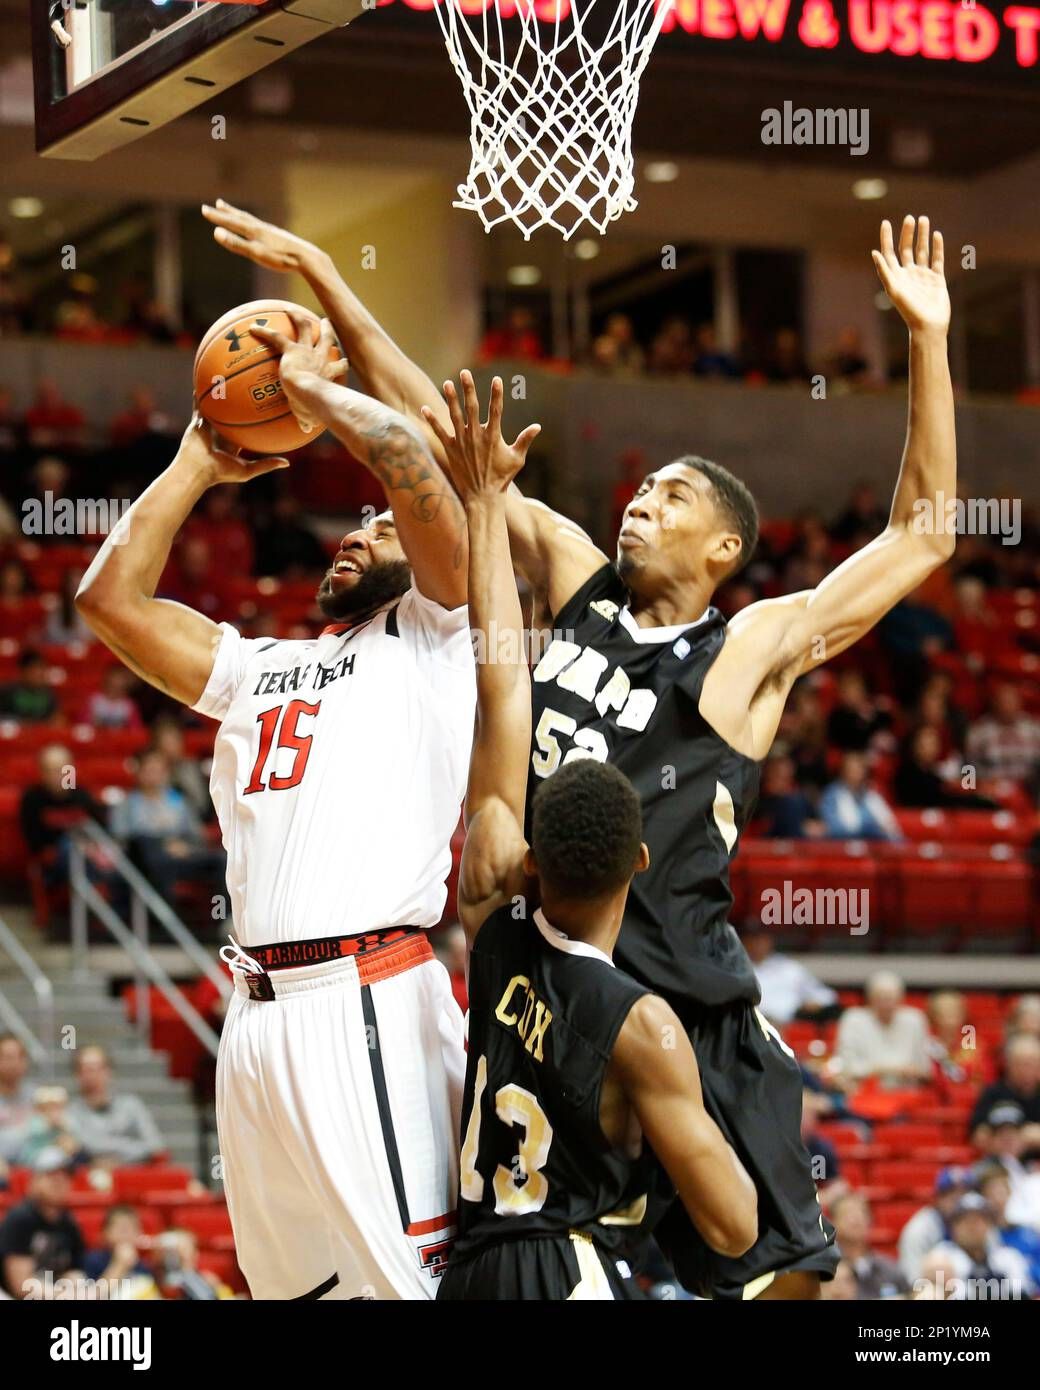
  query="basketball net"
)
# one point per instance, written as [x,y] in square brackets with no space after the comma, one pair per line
[551,106]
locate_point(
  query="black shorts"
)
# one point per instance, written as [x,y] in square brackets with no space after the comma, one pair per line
[753,1091]
[547,1267]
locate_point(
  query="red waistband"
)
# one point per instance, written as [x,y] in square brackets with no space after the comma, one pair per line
[290,955]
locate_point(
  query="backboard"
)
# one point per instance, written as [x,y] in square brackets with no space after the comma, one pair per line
[108,71]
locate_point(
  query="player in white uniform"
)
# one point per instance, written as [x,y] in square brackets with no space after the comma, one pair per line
[339,770]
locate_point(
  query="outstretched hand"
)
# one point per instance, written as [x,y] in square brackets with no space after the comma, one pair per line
[262,242]
[914,280]
[479,458]
[311,352]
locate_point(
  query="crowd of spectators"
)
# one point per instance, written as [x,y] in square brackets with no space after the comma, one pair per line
[978,1235]
[63,1141]
[678,348]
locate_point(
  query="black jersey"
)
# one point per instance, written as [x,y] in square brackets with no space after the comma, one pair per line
[543,1018]
[601,692]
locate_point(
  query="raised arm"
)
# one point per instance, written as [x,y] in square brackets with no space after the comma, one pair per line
[429,517]
[552,553]
[657,1069]
[165,643]
[492,859]
[773,642]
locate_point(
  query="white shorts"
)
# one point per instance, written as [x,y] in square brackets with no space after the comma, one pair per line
[338,1107]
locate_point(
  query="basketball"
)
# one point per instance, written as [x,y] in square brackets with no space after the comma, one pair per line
[237,387]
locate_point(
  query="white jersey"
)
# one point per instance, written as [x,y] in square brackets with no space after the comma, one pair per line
[339,771]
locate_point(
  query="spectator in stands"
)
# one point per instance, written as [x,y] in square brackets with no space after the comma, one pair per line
[119,1255]
[826,1165]
[15,584]
[616,349]
[986,1267]
[786,362]
[846,361]
[959,1057]
[1019,1085]
[50,809]
[49,1127]
[193,579]
[16,1099]
[928,1227]
[853,810]
[64,624]
[671,351]
[857,717]
[113,707]
[936,710]
[789,989]
[876,1276]
[709,359]
[162,831]
[52,422]
[513,336]
[995,1186]
[1006,742]
[1024,1016]
[40,1236]
[1003,1137]
[804,729]
[887,1039]
[786,811]
[920,779]
[141,418]
[217,522]
[935,1278]
[186,775]
[843,1287]
[115,1129]
[179,1273]
[286,547]
[49,481]
[975,623]
[30,699]
[76,318]
[912,633]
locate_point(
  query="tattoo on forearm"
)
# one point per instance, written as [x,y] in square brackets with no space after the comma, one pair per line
[400,463]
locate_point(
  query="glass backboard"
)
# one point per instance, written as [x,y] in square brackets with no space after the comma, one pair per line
[108,71]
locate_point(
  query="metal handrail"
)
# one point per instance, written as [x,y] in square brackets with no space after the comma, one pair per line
[17,1025]
[39,983]
[157,906]
[85,896]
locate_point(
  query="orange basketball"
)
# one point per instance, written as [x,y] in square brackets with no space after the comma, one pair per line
[237,388]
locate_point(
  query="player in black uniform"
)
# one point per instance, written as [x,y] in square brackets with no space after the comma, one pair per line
[571,1061]
[645,674]
[658,684]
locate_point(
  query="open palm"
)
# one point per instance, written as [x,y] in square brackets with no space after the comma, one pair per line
[914,279]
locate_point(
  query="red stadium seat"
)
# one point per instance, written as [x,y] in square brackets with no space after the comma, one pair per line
[205,1221]
[905,1177]
[131,1183]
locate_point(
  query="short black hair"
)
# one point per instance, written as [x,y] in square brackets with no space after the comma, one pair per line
[586,829]
[734,500]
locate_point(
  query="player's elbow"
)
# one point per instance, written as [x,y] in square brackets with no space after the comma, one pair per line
[736,1230]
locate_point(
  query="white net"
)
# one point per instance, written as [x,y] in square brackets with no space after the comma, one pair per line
[552,87]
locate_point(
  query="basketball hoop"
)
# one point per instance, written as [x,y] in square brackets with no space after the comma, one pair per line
[552,103]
